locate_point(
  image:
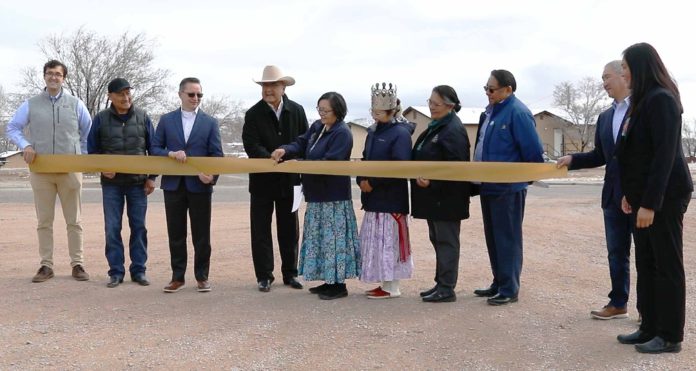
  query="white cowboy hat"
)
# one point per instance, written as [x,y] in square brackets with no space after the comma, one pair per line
[273,74]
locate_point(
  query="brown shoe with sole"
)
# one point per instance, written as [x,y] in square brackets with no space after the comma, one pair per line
[203,286]
[174,286]
[609,312]
[79,274]
[44,274]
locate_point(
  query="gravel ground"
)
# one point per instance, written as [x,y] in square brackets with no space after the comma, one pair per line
[65,324]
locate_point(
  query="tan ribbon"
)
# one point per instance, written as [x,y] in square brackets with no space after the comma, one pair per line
[493,172]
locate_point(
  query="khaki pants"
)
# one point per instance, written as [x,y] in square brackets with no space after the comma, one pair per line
[68,187]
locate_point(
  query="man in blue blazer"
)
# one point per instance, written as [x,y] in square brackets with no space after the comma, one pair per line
[506,133]
[617,224]
[185,132]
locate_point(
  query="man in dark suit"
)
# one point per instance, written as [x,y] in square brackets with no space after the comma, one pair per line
[617,225]
[188,131]
[273,121]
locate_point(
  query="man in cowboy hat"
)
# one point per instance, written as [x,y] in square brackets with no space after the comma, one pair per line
[273,121]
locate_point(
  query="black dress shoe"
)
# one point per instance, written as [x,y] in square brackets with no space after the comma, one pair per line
[335,291]
[440,297]
[319,289]
[428,292]
[114,281]
[487,292]
[292,282]
[638,337]
[659,345]
[265,285]
[501,299]
[140,279]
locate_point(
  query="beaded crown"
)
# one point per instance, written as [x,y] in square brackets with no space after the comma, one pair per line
[384,97]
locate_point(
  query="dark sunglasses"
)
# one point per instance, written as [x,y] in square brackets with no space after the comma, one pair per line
[491,90]
[191,95]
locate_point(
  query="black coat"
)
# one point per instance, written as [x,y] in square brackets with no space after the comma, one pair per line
[442,200]
[651,159]
[262,134]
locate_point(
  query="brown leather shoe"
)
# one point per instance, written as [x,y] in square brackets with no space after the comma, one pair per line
[45,273]
[609,312]
[78,273]
[203,286]
[174,286]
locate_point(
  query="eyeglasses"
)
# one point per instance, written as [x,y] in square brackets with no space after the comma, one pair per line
[323,111]
[191,95]
[491,90]
[432,103]
[54,74]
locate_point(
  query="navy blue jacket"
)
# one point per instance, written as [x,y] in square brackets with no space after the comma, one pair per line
[603,154]
[442,200]
[651,159]
[510,137]
[387,142]
[204,141]
[334,144]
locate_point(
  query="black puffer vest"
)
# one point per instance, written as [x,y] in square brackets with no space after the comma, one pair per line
[123,138]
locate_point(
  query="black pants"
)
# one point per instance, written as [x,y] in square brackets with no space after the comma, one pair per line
[444,235]
[177,204]
[287,229]
[661,283]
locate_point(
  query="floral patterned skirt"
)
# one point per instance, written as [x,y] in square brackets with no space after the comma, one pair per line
[379,243]
[330,245]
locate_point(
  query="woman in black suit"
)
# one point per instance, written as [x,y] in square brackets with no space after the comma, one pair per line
[657,185]
[443,203]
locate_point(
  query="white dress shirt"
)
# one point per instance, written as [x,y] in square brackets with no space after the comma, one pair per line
[188,118]
[620,108]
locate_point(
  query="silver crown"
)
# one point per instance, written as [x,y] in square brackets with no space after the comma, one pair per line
[384,98]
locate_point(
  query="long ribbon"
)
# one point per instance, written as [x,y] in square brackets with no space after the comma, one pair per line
[491,172]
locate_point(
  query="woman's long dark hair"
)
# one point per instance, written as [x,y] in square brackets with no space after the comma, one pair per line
[647,72]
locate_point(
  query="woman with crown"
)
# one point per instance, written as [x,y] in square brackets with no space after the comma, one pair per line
[384,242]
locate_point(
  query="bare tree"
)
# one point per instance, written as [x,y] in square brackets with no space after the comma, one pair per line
[4,117]
[8,105]
[582,101]
[94,60]
[689,138]
[230,115]
[3,103]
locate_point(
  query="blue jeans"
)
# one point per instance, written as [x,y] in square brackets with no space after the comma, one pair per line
[617,228]
[134,197]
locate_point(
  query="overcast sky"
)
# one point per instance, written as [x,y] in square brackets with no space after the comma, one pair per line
[346,46]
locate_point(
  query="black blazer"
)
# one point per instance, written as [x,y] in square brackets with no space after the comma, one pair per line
[603,154]
[262,134]
[651,159]
[442,200]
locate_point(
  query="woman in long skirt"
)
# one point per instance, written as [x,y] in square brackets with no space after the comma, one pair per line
[384,241]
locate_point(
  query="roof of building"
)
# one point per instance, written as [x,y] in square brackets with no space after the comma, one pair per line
[471,115]
[363,122]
